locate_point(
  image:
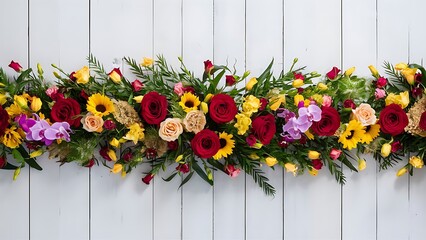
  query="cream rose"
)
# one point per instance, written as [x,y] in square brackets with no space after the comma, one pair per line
[365,114]
[92,123]
[194,121]
[170,129]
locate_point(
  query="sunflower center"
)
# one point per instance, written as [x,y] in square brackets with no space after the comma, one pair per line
[351,135]
[100,108]
[367,128]
[189,104]
[222,143]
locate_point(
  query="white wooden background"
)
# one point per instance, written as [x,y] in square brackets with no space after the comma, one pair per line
[73,203]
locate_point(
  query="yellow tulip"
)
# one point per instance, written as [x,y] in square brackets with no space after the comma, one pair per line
[117,168]
[147,62]
[297,83]
[251,83]
[349,71]
[362,164]
[204,107]
[115,76]
[271,161]
[386,150]
[208,97]
[373,71]
[416,162]
[36,104]
[112,155]
[322,86]
[313,155]
[401,172]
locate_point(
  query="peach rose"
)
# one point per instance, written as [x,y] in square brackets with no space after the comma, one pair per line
[365,114]
[170,129]
[92,123]
[194,121]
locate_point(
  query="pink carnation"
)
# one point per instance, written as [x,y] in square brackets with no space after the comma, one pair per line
[380,93]
[326,101]
[178,89]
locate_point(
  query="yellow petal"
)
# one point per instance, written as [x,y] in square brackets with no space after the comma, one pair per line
[204,107]
[271,161]
[322,86]
[180,157]
[114,142]
[401,66]
[401,172]
[386,149]
[298,98]
[251,83]
[36,153]
[111,154]
[36,104]
[138,99]
[16,173]
[117,168]
[147,61]
[313,171]
[291,167]
[373,71]
[297,83]
[362,164]
[313,155]
[349,71]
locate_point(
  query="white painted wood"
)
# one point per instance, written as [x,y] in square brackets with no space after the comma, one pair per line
[229,47]
[63,203]
[167,196]
[359,50]
[124,209]
[312,34]
[264,40]
[14,200]
[197,20]
[391,20]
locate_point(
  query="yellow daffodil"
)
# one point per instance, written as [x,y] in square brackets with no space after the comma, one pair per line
[362,164]
[373,71]
[313,155]
[271,161]
[251,83]
[146,61]
[227,145]
[99,105]
[416,162]
[385,150]
[117,168]
[82,75]
[243,123]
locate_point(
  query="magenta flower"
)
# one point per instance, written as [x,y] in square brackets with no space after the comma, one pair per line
[307,115]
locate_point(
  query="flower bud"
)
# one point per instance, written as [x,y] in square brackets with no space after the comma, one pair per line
[271,161]
[313,172]
[114,142]
[251,83]
[362,164]
[146,62]
[36,153]
[416,162]
[204,107]
[313,155]
[39,69]
[291,167]
[386,150]
[373,71]
[321,86]
[117,168]
[349,72]
[36,104]
[179,158]
[401,171]
[56,74]
[16,173]
[138,99]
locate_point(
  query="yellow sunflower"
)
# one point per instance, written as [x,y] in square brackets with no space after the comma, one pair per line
[352,135]
[371,132]
[99,105]
[226,146]
[189,102]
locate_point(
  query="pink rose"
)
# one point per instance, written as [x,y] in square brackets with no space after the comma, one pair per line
[326,101]
[178,89]
[137,85]
[380,93]
[335,153]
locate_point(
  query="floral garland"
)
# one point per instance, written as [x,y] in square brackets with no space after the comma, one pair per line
[168,118]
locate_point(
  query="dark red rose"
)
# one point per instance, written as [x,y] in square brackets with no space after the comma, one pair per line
[317,164]
[381,82]
[172,146]
[230,80]
[147,179]
[127,156]
[84,95]
[66,110]
[222,108]
[154,108]
[72,77]
[282,143]
[15,66]
[396,146]
[263,104]
[393,119]
[90,163]
[333,73]
[300,90]
[188,89]
[329,123]
[104,153]
[137,85]
[251,140]
[205,143]
[349,103]
[264,128]
[4,120]
[151,153]
[298,76]
[109,125]
[422,123]
[183,168]
[418,77]
[3,161]
[416,92]
[208,66]
[303,140]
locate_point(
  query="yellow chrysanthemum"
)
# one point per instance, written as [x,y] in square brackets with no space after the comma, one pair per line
[189,102]
[227,144]
[135,134]
[371,132]
[352,135]
[99,105]
[251,105]
[11,137]
[243,123]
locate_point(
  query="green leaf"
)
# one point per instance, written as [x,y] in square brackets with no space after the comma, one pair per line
[201,173]
[186,179]
[30,161]
[9,166]
[170,177]
[17,155]
[349,164]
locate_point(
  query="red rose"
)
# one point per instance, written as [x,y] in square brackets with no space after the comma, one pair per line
[205,143]
[230,80]
[396,146]
[251,140]
[208,66]
[222,108]
[264,128]
[127,157]
[329,123]
[317,164]
[298,76]
[263,104]
[4,120]
[172,146]
[66,110]
[333,73]
[349,103]
[109,125]
[154,108]
[137,85]
[422,123]
[183,168]
[147,179]
[15,66]
[393,119]
[3,161]
[381,82]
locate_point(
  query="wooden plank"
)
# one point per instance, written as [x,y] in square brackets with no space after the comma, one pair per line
[392,192]
[229,47]
[14,201]
[315,41]
[197,47]
[360,188]
[120,208]
[63,203]
[264,41]
[167,195]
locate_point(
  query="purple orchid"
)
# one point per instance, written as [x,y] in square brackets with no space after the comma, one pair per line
[24,122]
[307,115]
[285,113]
[292,128]
[58,130]
[40,130]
